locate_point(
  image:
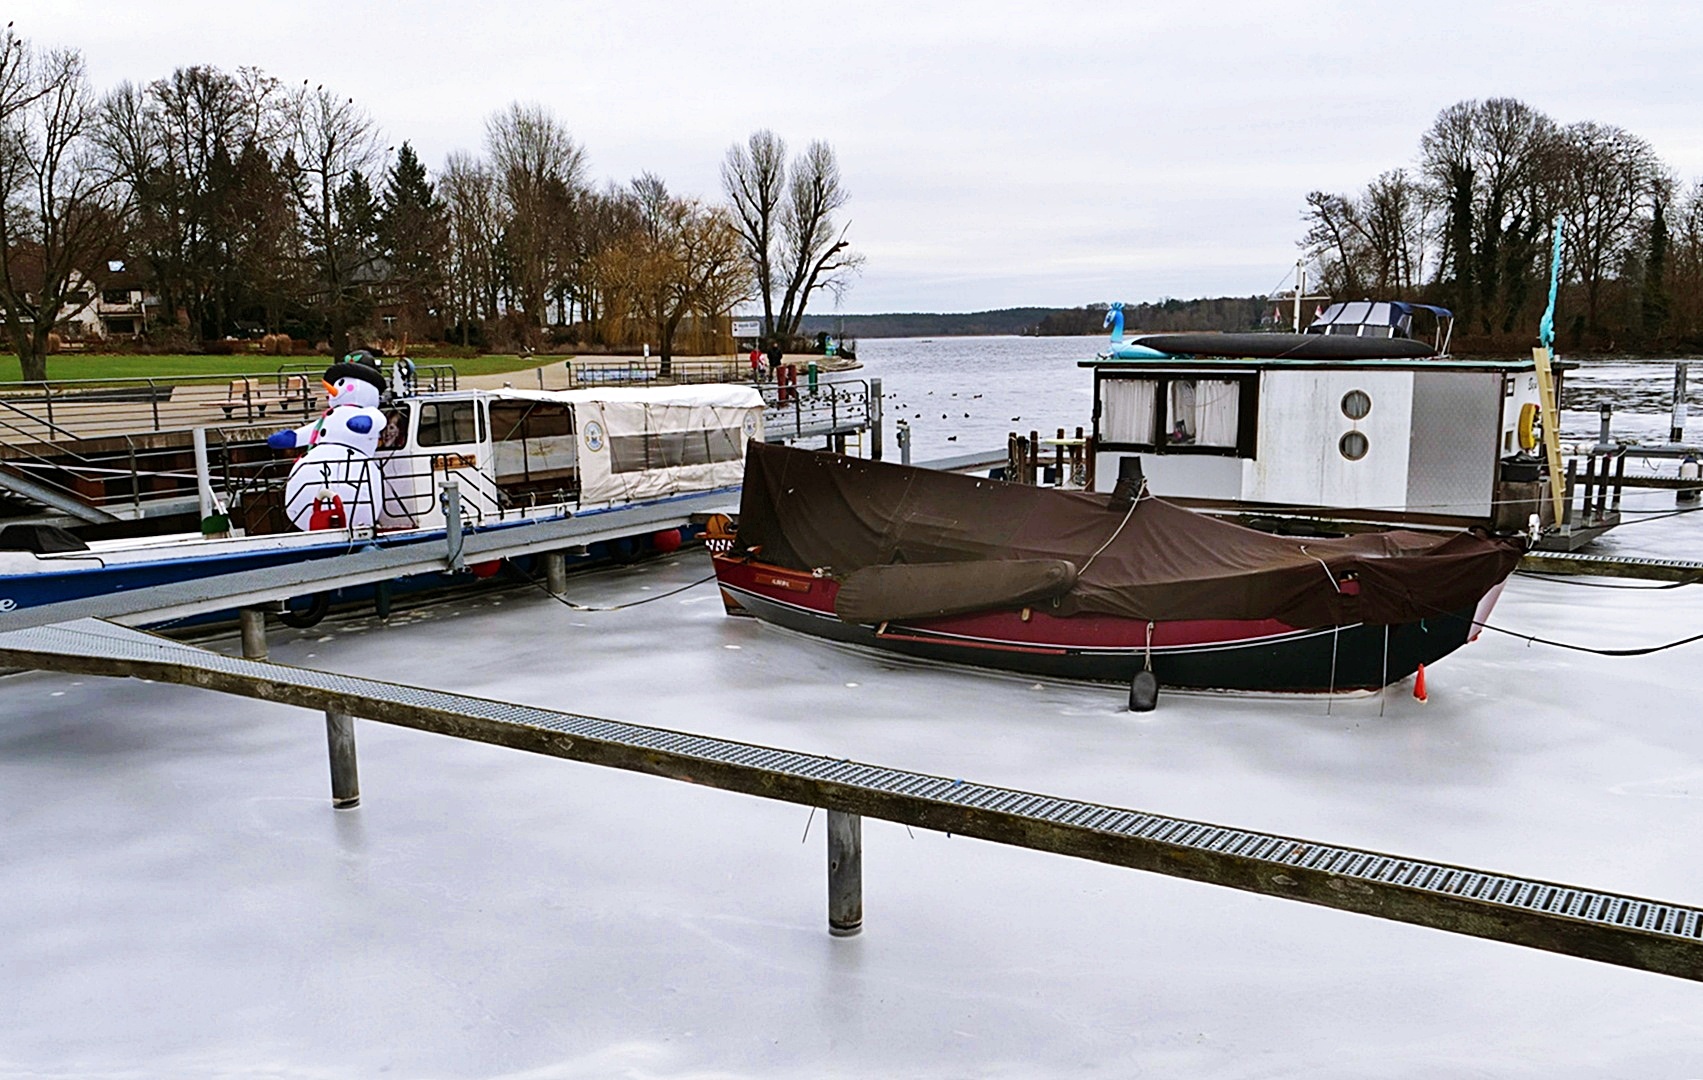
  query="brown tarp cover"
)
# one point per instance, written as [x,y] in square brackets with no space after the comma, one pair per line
[875,594]
[808,510]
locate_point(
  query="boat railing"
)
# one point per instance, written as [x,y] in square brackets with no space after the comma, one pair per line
[407,496]
[825,409]
[648,371]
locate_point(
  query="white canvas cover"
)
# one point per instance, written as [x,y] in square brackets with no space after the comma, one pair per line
[642,443]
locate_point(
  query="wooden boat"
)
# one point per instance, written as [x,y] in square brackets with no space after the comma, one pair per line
[1088,586]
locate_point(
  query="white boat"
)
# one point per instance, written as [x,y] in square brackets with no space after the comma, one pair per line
[510,456]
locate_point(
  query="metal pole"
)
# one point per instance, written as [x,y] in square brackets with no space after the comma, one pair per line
[1677,432]
[340,738]
[874,410]
[1605,414]
[203,473]
[845,874]
[253,633]
[903,435]
[556,573]
[452,524]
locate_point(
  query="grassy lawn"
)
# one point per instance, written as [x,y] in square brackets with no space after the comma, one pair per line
[119,366]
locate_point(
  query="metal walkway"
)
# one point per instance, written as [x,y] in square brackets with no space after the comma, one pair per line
[1590,923]
[1625,566]
[223,592]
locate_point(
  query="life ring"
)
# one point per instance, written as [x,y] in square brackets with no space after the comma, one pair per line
[1528,428]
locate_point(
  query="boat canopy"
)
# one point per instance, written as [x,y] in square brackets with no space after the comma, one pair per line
[831,514]
[1373,318]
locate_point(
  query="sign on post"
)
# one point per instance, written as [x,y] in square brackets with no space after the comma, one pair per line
[744,328]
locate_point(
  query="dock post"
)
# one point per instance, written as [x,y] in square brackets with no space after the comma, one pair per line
[253,633]
[1034,459]
[903,436]
[872,411]
[203,473]
[340,738]
[556,573]
[453,526]
[1677,432]
[845,874]
[1605,414]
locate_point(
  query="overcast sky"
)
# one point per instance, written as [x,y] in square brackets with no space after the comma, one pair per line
[998,154]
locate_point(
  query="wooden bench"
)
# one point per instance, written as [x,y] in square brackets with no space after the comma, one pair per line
[242,394]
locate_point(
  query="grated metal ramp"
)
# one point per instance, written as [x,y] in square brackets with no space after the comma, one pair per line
[361,567]
[1626,566]
[1609,927]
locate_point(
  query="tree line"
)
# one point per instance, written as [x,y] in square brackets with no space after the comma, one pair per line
[250,206]
[1469,227]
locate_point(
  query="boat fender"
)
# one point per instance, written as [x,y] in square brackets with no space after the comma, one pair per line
[1144,687]
[1143,692]
[1528,426]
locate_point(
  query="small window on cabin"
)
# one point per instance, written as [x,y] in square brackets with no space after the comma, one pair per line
[395,433]
[512,420]
[447,423]
[1353,445]
[1129,411]
[115,296]
[672,449]
[1204,412]
[1356,404]
[1177,414]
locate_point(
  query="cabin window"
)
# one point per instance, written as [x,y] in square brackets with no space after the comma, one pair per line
[115,296]
[1178,413]
[448,423]
[1353,445]
[395,433]
[1356,404]
[534,444]
[672,449]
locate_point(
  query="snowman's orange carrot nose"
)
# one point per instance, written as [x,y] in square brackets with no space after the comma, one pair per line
[330,391]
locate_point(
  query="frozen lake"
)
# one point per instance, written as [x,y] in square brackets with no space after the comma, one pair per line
[181,900]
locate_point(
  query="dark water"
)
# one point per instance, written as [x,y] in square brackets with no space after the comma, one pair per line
[964,394]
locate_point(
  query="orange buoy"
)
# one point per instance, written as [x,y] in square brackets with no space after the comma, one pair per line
[1419,684]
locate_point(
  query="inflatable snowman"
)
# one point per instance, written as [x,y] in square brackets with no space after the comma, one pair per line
[336,483]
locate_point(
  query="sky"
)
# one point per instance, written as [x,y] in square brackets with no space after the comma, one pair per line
[998,154]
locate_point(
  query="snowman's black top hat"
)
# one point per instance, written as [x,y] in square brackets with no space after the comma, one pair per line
[354,369]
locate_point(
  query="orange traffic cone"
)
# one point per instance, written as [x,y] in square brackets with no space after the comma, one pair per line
[1419,684]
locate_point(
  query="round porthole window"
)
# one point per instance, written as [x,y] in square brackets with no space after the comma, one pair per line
[1356,404]
[1353,445]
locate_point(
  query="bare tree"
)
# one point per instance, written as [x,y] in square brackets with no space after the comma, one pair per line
[540,175]
[331,140]
[1608,178]
[689,262]
[754,178]
[1334,240]
[57,210]
[813,254]
[785,217]
[470,202]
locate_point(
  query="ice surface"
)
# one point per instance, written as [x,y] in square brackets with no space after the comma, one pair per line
[179,898]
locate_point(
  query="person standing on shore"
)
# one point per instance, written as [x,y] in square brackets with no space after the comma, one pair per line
[774,354]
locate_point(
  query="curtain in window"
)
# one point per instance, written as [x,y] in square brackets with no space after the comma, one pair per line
[1128,408]
[1216,412]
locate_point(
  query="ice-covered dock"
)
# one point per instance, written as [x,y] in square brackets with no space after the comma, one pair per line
[181,900]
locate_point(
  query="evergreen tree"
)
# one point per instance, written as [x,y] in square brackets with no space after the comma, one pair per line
[413,234]
[1655,298]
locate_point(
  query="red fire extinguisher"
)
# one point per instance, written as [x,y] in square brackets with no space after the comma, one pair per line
[327,512]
